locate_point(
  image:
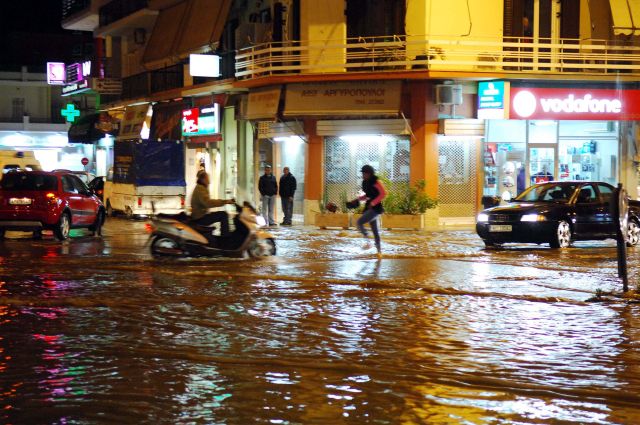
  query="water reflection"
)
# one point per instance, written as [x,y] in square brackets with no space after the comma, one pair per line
[435,332]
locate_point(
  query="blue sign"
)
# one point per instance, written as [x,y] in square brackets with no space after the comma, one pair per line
[491,95]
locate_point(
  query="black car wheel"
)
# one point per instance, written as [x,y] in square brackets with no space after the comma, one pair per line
[562,238]
[61,231]
[633,233]
[2,234]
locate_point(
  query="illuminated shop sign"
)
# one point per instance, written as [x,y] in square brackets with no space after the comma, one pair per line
[574,104]
[56,73]
[78,71]
[204,65]
[491,99]
[201,121]
[75,88]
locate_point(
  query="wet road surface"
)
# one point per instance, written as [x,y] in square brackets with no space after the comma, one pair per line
[438,331]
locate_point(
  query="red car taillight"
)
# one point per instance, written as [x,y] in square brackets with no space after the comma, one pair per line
[51,198]
[140,201]
[182,201]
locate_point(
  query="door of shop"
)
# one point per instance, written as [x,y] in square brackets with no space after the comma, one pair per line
[542,163]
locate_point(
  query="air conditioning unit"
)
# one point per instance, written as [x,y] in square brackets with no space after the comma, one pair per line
[449,94]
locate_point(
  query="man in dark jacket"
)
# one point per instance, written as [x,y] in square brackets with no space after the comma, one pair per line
[287,191]
[268,187]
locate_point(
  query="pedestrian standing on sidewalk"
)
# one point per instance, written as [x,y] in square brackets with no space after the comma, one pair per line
[268,187]
[287,191]
[374,193]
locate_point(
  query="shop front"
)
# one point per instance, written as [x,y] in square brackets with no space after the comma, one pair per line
[201,130]
[51,149]
[348,124]
[559,134]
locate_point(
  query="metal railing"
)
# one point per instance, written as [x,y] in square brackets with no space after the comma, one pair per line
[404,53]
[118,9]
[146,83]
[71,7]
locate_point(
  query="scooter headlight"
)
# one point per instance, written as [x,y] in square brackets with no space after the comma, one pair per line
[260,221]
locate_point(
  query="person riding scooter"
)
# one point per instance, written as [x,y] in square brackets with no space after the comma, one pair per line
[201,202]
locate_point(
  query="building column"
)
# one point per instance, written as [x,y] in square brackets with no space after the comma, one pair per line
[424,140]
[314,172]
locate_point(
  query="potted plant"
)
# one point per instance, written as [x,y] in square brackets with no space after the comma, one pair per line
[332,215]
[409,207]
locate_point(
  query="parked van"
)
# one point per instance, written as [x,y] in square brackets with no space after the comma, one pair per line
[147,175]
[13,160]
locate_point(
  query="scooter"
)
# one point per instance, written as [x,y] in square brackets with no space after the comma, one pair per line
[177,236]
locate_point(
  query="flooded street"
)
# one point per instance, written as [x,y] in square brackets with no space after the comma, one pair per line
[438,331]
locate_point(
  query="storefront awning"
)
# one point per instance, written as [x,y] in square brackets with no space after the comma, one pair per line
[202,26]
[91,128]
[165,32]
[626,17]
[191,26]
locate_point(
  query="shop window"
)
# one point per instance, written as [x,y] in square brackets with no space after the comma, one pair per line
[345,156]
[507,131]
[543,131]
[588,160]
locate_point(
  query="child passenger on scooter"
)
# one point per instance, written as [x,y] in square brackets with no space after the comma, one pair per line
[201,202]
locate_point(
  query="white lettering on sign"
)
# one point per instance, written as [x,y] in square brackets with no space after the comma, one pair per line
[86,68]
[585,104]
[525,104]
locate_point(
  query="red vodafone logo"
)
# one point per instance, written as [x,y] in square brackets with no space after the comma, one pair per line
[574,104]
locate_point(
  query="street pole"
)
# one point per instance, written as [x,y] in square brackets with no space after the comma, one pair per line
[619,207]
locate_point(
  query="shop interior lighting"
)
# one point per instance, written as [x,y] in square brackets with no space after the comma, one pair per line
[16,139]
[289,139]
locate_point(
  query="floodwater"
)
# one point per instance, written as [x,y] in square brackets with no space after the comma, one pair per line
[440,331]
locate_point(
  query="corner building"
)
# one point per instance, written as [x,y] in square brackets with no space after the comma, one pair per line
[325,87]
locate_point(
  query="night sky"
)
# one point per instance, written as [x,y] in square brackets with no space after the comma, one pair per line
[31,15]
[31,34]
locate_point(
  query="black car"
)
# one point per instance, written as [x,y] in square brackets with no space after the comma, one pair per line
[556,213]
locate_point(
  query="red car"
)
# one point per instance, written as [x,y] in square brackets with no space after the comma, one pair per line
[39,200]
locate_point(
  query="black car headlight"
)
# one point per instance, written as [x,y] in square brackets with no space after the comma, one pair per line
[533,217]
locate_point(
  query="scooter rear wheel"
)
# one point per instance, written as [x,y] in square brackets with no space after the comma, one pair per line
[165,247]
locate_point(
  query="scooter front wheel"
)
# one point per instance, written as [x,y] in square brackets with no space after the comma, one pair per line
[262,248]
[165,247]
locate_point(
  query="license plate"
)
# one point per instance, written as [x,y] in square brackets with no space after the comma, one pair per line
[19,201]
[500,228]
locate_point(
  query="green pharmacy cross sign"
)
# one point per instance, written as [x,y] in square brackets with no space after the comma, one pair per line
[70,112]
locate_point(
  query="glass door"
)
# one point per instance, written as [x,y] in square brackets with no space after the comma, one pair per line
[542,164]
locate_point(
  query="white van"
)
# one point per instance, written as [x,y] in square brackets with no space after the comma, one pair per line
[13,160]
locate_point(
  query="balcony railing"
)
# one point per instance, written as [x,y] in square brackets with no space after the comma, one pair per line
[402,53]
[118,9]
[71,7]
[144,84]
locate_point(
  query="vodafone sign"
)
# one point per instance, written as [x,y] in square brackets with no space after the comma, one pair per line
[574,104]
